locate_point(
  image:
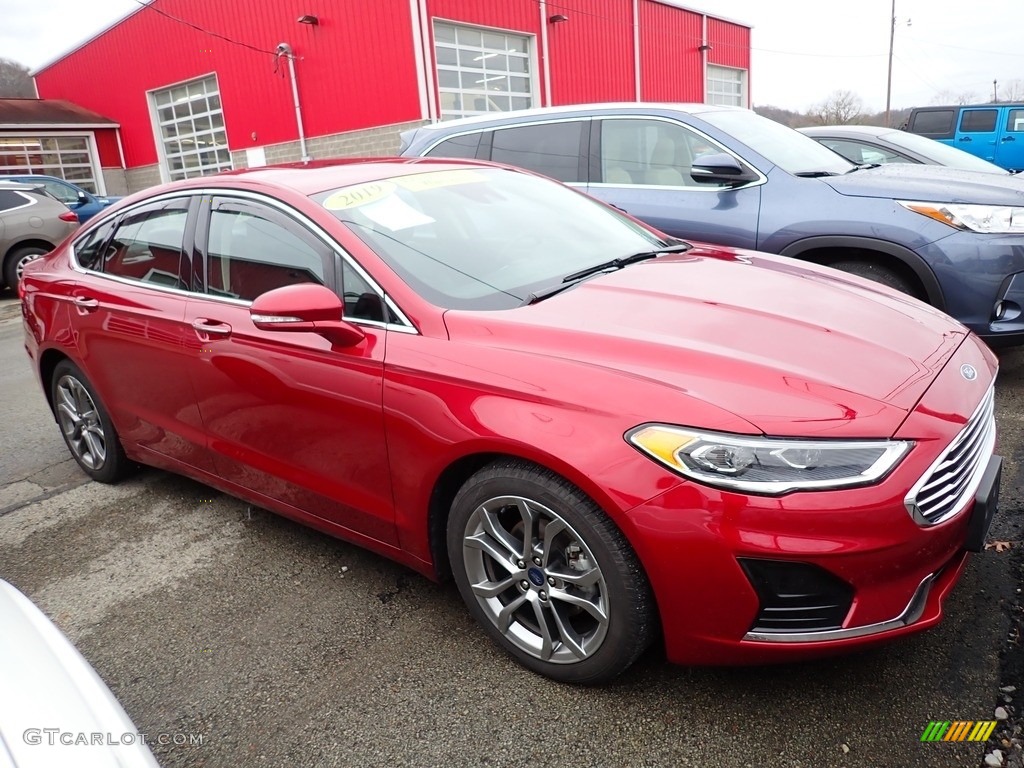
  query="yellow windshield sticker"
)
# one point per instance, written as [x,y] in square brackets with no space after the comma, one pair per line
[424,181]
[360,194]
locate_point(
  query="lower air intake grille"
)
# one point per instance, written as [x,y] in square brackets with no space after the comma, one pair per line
[797,597]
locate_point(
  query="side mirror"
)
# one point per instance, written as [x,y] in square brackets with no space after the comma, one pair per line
[719,168]
[308,308]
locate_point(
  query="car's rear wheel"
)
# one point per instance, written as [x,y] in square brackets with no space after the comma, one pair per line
[15,263]
[547,574]
[86,425]
[878,273]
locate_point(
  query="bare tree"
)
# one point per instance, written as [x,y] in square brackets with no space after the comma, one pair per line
[949,97]
[839,108]
[15,81]
[1012,90]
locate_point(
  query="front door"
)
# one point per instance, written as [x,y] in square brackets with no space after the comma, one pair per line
[288,415]
[1010,146]
[643,168]
[978,131]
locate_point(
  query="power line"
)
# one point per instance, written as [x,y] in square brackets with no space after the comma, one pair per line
[151,5]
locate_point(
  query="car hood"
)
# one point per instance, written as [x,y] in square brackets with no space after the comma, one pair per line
[791,349]
[929,183]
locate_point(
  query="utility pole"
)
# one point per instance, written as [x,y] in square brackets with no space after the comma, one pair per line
[888,83]
[995,92]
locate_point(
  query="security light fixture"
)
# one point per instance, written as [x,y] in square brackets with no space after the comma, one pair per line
[310,19]
[557,18]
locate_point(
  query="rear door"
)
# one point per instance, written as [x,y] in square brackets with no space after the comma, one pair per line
[130,301]
[1010,146]
[978,131]
[642,166]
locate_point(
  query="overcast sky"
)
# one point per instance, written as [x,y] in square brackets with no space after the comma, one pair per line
[803,50]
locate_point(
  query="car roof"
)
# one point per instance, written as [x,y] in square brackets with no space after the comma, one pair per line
[19,185]
[322,175]
[606,108]
[847,130]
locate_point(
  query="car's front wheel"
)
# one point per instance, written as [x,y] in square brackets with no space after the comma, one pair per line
[86,425]
[548,575]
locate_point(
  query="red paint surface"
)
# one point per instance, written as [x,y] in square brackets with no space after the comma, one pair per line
[352,439]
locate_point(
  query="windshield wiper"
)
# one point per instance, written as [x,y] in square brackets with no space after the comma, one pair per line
[815,174]
[864,167]
[624,261]
[570,280]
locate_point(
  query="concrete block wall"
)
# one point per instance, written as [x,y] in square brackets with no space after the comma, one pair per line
[370,142]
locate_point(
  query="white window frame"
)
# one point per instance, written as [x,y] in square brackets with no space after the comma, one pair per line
[530,57]
[712,77]
[161,148]
[90,147]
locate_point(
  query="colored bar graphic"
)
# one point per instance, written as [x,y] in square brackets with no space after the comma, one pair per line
[958,730]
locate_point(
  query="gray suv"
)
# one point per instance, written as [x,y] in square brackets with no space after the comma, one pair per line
[725,175]
[32,223]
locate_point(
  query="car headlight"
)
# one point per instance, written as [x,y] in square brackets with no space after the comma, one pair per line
[765,465]
[990,219]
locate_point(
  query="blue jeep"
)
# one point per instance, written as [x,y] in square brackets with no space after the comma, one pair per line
[994,132]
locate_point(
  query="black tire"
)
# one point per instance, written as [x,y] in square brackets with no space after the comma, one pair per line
[16,257]
[86,426]
[878,273]
[585,571]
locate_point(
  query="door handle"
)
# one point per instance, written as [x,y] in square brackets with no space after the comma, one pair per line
[966,138]
[84,302]
[1008,138]
[211,327]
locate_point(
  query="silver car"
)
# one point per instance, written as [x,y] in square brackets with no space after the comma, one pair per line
[32,222]
[54,709]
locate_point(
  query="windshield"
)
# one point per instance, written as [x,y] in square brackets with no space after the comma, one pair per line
[783,146]
[943,154]
[484,238]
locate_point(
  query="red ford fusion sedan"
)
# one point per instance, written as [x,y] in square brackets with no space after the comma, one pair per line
[607,437]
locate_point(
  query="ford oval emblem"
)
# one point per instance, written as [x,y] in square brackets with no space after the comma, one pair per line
[968,372]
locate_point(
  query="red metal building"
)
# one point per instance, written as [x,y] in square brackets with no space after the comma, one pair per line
[200,86]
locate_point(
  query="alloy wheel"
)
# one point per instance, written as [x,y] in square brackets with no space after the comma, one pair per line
[536,580]
[80,422]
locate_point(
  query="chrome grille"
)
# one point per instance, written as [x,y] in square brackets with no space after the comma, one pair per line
[951,481]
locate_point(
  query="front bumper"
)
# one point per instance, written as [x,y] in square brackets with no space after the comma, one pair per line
[894,571]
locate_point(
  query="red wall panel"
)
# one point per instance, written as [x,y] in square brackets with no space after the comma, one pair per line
[592,53]
[730,44]
[356,69]
[106,146]
[670,59]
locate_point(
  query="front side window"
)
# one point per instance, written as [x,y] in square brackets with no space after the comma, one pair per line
[650,152]
[66,157]
[64,193]
[190,127]
[481,70]
[978,121]
[726,86]
[252,250]
[552,149]
[149,245]
[459,237]
[1015,120]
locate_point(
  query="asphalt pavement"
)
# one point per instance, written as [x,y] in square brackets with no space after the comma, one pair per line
[274,645]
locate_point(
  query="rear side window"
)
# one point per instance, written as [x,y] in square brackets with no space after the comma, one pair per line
[148,245]
[89,249]
[552,149]
[10,199]
[857,152]
[936,123]
[978,120]
[457,146]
